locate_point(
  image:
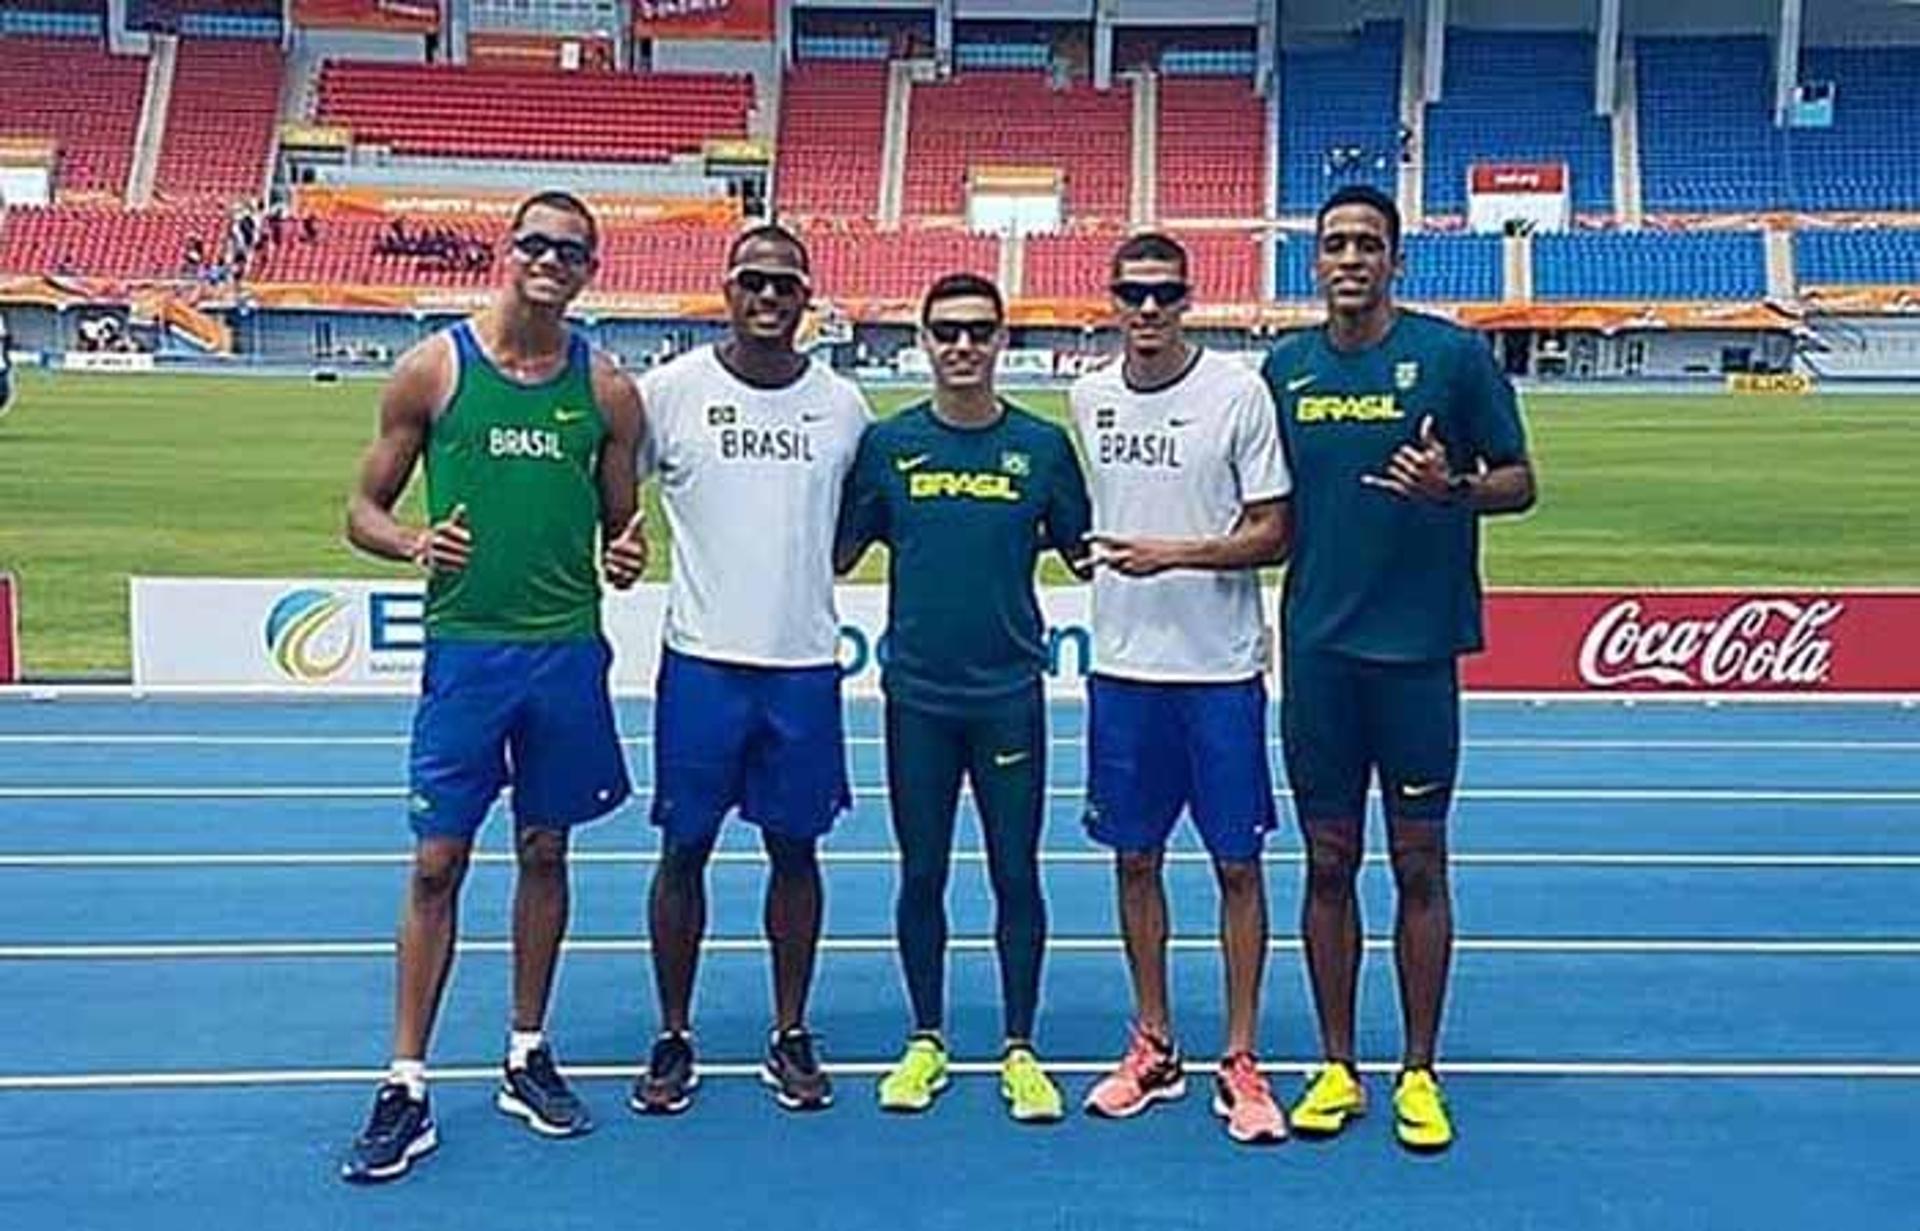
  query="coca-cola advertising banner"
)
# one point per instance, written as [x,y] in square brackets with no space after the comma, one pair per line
[1693,641]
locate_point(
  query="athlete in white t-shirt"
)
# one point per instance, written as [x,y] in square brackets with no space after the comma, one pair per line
[750,441]
[1189,498]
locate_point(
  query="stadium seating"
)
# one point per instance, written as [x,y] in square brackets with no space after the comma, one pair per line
[1343,98]
[73,92]
[1019,119]
[1870,158]
[1212,151]
[1439,268]
[103,242]
[1707,140]
[855,261]
[1518,96]
[1650,265]
[1857,258]
[220,121]
[592,117]
[1452,268]
[832,125]
[233,19]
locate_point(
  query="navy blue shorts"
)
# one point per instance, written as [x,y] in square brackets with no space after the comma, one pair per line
[1342,719]
[533,715]
[1154,749]
[765,740]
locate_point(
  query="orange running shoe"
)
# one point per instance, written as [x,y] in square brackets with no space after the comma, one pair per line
[1150,1072]
[1243,1099]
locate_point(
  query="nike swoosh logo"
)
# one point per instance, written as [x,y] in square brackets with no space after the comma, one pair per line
[569,416]
[911,463]
[1004,759]
[1420,790]
[1179,423]
[1299,382]
[813,416]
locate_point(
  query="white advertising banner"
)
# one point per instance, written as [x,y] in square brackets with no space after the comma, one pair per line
[366,636]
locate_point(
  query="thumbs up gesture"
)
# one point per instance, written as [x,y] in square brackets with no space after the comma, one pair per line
[446,545]
[1417,471]
[625,556]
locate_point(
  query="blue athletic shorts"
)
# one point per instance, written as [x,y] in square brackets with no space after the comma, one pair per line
[1153,749]
[765,740]
[533,715]
[1342,719]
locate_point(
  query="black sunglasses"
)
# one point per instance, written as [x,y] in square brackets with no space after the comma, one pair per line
[946,333]
[1136,294]
[756,282]
[573,253]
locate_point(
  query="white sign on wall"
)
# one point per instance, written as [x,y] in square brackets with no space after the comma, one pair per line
[367,636]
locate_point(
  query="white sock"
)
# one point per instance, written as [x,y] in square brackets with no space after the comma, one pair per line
[409,1073]
[521,1044]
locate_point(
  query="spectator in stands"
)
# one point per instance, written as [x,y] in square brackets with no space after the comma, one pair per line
[1417,408]
[309,229]
[529,441]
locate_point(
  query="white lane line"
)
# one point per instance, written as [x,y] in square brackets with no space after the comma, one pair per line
[1611,946]
[887,858]
[1675,795]
[83,739]
[1639,1069]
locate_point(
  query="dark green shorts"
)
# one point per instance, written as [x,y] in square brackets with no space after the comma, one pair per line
[1343,719]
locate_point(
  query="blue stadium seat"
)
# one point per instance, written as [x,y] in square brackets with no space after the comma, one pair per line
[1870,158]
[34,24]
[1439,268]
[1518,96]
[839,47]
[1707,140]
[1857,258]
[1003,55]
[1340,100]
[1651,265]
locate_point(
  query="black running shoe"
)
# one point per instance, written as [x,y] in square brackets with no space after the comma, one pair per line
[399,1130]
[666,1088]
[538,1094]
[794,1073]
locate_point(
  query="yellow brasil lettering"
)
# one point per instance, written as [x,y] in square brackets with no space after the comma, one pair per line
[1333,408]
[960,485]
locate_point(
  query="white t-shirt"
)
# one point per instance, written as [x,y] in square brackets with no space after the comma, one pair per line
[1179,462]
[750,478]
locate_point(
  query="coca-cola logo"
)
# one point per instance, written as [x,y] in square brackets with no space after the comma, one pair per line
[1758,642]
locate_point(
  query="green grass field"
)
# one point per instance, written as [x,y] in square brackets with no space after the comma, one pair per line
[105,476]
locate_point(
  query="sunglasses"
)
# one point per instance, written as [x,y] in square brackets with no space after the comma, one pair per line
[573,253]
[785,283]
[1136,294]
[946,333]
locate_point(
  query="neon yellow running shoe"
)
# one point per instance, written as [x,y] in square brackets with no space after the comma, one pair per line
[921,1073]
[1333,1097]
[1421,1112]
[1031,1096]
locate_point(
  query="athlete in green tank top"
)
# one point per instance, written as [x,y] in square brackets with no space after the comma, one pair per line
[528,440]
[520,460]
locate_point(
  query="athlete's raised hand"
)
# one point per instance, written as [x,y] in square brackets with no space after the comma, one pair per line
[1417,471]
[446,545]
[625,557]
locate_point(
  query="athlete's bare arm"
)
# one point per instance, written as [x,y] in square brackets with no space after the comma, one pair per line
[417,391]
[624,557]
[1260,537]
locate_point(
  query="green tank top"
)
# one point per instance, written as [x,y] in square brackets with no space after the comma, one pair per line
[523,459]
